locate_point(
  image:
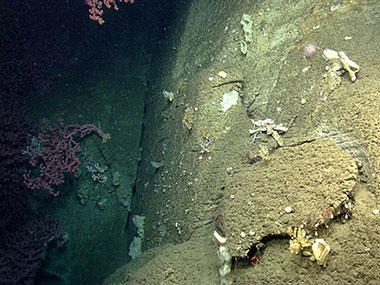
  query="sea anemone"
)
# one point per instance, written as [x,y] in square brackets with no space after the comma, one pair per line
[310,50]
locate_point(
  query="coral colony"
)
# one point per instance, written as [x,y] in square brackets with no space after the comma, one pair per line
[96,8]
[57,156]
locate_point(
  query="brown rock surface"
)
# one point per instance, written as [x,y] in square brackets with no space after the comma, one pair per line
[311,177]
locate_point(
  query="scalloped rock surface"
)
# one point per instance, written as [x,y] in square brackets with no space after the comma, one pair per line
[308,176]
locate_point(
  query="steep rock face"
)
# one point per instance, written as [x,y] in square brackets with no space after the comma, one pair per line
[328,160]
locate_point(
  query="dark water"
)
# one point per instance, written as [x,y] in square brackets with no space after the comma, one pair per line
[72,96]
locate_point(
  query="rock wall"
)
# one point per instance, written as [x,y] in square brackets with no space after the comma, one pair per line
[215,175]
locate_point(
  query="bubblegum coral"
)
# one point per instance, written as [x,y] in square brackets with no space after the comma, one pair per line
[96,8]
[23,249]
[55,154]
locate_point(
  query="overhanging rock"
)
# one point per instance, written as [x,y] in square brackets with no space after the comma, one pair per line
[312,179]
